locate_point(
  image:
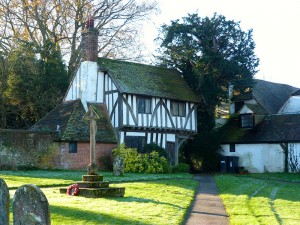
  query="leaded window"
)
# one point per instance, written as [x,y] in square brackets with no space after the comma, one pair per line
[178,108]
[144,105]
[246,120]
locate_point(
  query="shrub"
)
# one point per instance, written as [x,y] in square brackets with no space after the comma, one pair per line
[105,162]
[27,167]
[148,148]
[142,163]
[181,168]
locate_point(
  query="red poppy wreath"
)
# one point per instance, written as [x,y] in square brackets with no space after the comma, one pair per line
[73,189]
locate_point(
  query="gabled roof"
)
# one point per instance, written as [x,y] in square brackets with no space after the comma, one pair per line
[274,129]
[257,108]
[68,115]
[271,96]
[141,79]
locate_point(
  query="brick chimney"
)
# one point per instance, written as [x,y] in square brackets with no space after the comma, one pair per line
[89,42]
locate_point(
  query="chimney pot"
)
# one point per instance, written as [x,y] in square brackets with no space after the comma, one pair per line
[89,23]
[89,42]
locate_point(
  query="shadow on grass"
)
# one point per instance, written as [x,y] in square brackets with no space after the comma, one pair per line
[75,215]
[144,200]
[258,187]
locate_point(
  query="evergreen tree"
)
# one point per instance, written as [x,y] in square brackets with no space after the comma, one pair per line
[211,53]
[37,81]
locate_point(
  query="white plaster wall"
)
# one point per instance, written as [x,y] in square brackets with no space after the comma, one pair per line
[85,85]
[245,109]
[139,134]
[170,137]
[294,154]
[258,158]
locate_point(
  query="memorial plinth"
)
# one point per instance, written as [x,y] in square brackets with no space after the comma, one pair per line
[93,186]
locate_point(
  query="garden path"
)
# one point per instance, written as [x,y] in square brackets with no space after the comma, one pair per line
[207,208]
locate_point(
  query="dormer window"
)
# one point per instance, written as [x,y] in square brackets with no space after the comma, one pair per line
[246,120]
[144,105]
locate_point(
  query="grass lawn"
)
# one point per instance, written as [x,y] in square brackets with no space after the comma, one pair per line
[261,198]
[163,199]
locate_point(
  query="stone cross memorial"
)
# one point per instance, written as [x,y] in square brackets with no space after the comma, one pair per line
[30,206]
[4,203]
[92,116]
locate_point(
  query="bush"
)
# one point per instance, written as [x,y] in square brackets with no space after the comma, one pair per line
[105,162]
[181,168]
[203,152]
[148,148]
[142,163]
[27,167]
[7,167]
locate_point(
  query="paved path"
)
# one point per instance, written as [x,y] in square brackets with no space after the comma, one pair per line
[207,208]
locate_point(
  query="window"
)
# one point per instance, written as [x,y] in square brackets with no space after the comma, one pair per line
[135,142]
[72,147]
[232,147]
[246,120]
[178,108]
[144,105]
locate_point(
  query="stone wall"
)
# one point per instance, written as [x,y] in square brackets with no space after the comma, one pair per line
[24,148]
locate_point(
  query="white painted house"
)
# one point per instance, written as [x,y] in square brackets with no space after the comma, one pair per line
[145,104]
[264,131]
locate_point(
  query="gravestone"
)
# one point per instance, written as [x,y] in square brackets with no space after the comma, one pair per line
[4,203]
[118,166]
[30,206]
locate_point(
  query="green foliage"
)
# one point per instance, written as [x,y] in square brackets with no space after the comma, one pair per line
[203,152]
[148,148]
[35,84]
[181,168]
[142,163]
[106,163]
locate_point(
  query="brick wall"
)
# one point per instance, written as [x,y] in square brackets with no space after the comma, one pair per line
[81,159]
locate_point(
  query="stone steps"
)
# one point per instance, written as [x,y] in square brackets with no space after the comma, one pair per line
[93,186]
[99,192]
[86,184]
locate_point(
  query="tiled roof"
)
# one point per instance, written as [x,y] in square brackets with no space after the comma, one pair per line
[271,96]
[68,115]
[141,79]
[296,93]
[273,129]
[257,108]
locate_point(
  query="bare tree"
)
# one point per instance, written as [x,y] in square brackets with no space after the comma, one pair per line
[61,21]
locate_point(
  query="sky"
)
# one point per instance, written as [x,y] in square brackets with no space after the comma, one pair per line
[275,24]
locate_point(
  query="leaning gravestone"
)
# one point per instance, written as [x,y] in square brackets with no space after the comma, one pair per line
[30,206]
[4,203]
